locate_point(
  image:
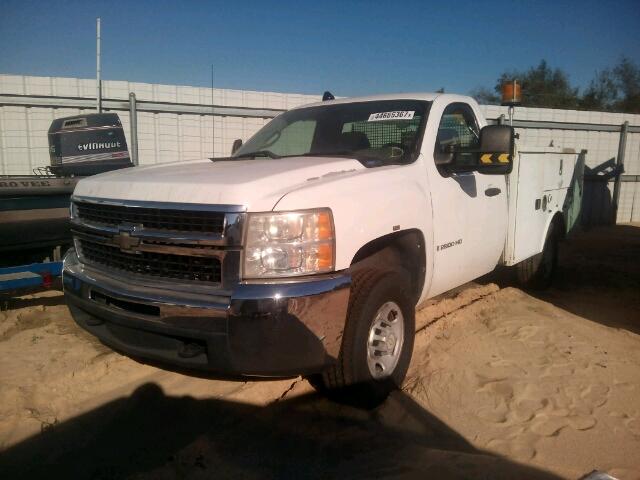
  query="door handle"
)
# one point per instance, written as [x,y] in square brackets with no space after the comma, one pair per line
[492,192]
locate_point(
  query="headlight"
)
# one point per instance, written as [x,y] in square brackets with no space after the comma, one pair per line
[73,210]
[289,243]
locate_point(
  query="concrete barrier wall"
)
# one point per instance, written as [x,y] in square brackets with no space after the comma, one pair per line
[167,137]
[162,137]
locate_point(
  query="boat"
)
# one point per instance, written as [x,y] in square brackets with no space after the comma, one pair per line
[34,209]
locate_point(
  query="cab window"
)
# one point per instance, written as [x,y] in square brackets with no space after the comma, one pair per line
[459,130]
[295,137]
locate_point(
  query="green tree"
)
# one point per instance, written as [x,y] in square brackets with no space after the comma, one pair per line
[627,78]
[614,90]
[602,93]
[485,96]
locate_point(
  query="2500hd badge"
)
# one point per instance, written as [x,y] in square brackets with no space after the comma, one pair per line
[450,244]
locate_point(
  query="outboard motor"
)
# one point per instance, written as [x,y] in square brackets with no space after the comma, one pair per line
[87,144]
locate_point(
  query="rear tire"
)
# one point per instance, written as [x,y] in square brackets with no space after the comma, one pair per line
[538,271]
[377,342]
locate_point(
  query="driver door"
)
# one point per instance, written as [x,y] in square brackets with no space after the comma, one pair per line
[469,208]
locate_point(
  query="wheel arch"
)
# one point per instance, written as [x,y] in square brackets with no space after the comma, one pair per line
[558,221]
[405,248]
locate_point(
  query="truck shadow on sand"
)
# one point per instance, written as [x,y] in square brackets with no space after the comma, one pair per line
[151,435]
[598,277]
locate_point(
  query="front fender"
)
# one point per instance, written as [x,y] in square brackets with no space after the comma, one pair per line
[369,204]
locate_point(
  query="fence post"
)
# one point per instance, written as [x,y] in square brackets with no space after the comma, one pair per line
[622,146]
[133,120]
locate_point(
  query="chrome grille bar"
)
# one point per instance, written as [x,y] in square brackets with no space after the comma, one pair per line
[163,265]
[152,218]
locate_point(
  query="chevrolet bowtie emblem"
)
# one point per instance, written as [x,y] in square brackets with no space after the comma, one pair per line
[126,242]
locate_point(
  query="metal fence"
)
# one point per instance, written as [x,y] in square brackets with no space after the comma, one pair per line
[189,123]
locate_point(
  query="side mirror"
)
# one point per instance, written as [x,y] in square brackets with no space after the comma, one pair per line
[496,150]
[237,143]
[445,155]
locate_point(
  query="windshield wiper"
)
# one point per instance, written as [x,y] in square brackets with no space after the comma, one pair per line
[345,153]
[259,153]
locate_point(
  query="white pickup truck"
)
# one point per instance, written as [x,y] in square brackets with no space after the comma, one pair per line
[307,250]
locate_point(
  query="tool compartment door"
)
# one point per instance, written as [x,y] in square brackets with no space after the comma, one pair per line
[542,180]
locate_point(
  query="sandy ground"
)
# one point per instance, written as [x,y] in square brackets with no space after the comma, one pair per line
[503,384]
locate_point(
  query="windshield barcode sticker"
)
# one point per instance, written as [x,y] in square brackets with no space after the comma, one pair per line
[398,115]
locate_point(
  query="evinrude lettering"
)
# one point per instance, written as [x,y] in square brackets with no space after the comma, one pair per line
[98,146]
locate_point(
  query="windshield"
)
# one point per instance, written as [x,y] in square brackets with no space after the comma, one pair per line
[376,133]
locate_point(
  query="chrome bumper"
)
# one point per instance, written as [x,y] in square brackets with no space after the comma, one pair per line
[282,328]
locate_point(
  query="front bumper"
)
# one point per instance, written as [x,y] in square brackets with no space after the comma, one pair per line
[270,328]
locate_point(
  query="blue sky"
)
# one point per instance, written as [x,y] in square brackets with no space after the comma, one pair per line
[351,48]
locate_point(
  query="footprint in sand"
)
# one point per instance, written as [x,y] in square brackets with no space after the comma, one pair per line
[496,370]
[520,448]
[581,410]
[525,409]
[498,389]
[493,400]
[505,367]
[581,422]
[493,413]
[548,426]
[595,395]
[564,402]
[504,328]
[633,425]
[627,387]
[527,332]
[559,370]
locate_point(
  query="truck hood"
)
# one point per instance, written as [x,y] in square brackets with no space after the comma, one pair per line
[257,184]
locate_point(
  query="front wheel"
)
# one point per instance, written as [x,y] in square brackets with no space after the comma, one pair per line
[377,342]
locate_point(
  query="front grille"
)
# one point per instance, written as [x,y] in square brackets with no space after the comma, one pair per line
[164,265]
[152,218]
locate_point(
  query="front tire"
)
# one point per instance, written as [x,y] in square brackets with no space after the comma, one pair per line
[377,342]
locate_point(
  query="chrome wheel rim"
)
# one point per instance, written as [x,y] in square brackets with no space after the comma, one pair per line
[384,343]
